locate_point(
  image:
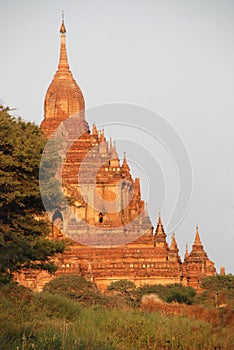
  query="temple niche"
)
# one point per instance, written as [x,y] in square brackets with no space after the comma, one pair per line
[107,221]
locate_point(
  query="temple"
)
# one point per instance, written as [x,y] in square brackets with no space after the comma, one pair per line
[107,221]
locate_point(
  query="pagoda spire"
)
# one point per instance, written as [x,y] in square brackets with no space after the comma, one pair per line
[160,235]
[125,166]
[159,219]
[197,245]
[63,98]
[173,254]
[114,154]
[186,255]
[94,130]
[159,228]
[173,245]
[125,158]
[62,28]
[102,136]
[125,169]
[63,61]
[146,212]
[110,146]
[197,237]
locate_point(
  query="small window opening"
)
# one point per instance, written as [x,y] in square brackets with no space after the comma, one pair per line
[101,218]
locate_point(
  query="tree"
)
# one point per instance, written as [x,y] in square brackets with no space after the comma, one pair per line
[218,282]
[50,187]
[168,293]
[124,287]
[218,289]
[23,224]
[180,294]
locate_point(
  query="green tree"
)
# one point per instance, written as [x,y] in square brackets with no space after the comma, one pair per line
[50,186]
[76,288]
[124,287]
[180,294]
[23,224]
[168,293]
[218,282]
[218,289]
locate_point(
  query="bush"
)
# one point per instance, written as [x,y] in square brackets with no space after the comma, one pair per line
[75,287]
[218,291]
[180,294]
[122,286]
[169,293]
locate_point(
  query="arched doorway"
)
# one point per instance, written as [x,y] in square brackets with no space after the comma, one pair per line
[57,224]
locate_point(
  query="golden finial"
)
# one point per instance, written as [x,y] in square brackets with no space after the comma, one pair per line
[62,28]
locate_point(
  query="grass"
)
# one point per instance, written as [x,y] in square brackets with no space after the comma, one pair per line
[46,321]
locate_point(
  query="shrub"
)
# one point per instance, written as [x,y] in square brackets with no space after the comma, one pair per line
[169,293]
[122,286]
[180,294]
[76,288]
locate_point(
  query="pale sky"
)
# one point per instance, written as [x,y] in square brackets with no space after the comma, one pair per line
[174,57]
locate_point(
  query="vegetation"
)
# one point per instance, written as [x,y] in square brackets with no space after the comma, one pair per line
[50,187]
[57,319]
[171,293]
[218,291]
[23,242]
[122,286]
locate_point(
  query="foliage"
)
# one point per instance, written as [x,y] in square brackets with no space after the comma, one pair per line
[50,168]
[50,321]
[82,291]
[23,225]
[69,285]
[169,293]
[218,282]
[76,288]
[218,290]
[180,294]
[122,286]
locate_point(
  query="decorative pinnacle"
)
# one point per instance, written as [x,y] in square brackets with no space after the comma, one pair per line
[111,146]
[197,237]
[159,219]
[159,228]
[124,159]
[114,154]
[146,209]
[173,242]
[62,28]
[186,255]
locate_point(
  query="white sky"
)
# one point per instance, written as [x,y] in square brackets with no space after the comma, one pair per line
[175,57]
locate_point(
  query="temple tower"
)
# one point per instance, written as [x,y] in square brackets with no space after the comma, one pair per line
[197,264]
[63,98]
[104,196]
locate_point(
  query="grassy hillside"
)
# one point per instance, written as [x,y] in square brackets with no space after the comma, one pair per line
[71,314]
